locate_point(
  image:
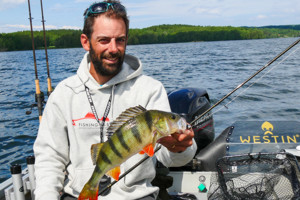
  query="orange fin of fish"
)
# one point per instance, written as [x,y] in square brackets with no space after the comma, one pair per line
[142,152]
[95,150]
[149,149]
[88,194]
[114,173]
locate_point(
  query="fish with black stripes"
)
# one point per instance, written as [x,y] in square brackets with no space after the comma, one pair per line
[136,130]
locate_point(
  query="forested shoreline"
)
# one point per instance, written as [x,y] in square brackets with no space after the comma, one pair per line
[152,35]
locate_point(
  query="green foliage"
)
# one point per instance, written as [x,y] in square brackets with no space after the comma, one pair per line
[54,38]
[294,27]
[151,35]
[186,33]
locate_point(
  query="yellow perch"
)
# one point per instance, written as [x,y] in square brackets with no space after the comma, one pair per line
[135,130]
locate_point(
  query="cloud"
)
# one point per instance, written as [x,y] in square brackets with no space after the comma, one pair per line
[21,27]
[8,28]
[27,27]
[17,26]
[145,13]
[261,17]
[213,12]
[210,11]
[11,1]
[71,27]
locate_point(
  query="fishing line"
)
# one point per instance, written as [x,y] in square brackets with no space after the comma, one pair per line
[205,115]
[243,91]
[128,171]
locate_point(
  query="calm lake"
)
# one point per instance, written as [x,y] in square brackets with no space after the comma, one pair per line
[218,67]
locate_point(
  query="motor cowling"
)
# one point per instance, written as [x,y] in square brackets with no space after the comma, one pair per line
[190,103]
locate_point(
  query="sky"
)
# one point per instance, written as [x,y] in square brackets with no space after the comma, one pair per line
[68,14]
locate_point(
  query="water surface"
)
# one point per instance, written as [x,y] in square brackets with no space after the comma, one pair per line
[217,67]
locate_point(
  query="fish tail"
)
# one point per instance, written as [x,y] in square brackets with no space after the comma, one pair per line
[89,192]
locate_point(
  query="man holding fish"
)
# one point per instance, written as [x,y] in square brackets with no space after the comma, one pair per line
[110,108]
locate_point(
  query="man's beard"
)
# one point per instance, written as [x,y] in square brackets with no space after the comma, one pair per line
[106,69]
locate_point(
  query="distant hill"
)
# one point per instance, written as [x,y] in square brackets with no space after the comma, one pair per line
[293,27]
[151,35]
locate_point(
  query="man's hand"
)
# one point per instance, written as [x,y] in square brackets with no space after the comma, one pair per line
[178,142]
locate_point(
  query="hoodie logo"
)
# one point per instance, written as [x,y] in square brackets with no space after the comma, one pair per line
[88,121]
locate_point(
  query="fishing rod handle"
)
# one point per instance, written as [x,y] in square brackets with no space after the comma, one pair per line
[50,89]
[37,86]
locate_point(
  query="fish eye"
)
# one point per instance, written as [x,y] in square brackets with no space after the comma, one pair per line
[173,117]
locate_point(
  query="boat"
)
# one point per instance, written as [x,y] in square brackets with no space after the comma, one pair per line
[248,160]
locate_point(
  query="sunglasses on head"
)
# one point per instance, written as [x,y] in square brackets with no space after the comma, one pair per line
[103,7]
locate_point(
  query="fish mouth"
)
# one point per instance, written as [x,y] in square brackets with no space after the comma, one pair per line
[182,124]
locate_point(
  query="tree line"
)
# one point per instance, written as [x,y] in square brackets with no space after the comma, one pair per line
[151,35]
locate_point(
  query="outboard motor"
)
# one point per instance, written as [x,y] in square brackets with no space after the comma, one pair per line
[191,103]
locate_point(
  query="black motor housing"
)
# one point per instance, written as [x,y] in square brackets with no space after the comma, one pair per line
[191,103]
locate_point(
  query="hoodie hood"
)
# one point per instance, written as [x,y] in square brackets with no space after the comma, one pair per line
[131,68]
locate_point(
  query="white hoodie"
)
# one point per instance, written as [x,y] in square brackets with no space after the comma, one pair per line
[68,129]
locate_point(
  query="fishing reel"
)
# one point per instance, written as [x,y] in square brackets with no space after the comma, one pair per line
[40,102]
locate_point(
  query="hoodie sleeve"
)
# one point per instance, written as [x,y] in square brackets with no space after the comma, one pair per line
[51,151]
[159,100]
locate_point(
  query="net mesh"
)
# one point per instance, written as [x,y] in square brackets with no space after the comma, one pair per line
[256,176]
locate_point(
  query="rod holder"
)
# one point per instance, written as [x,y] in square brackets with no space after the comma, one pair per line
[16,173]
[30,165]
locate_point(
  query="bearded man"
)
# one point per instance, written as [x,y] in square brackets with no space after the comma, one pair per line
[78,112]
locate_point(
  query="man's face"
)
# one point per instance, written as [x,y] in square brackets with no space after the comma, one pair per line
[108,45]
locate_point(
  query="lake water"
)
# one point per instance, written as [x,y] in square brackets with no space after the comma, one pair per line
[218,67]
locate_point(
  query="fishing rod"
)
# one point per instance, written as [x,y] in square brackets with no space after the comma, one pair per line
[198,119]
[128,171]
[38,94]
[50,89]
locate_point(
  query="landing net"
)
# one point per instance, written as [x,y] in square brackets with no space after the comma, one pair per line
[256,176]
